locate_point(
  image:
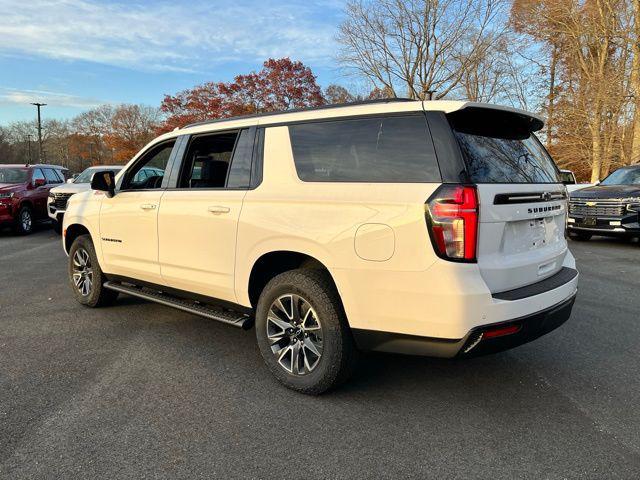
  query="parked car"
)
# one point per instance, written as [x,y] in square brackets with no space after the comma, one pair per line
[569,180]
[23,194]
[59,196]
[431,228]
[611,208]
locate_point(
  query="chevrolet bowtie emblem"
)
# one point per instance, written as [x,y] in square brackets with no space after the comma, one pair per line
[591,204]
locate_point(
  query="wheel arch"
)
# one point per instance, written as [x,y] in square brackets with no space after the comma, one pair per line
[26,203]
[73,231]
[273,263]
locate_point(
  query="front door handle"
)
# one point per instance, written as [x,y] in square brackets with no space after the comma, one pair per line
[217,210]
[148,206]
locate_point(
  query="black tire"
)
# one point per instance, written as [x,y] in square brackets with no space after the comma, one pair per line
[95,295]
[339,354]
[24,221]
[580,236]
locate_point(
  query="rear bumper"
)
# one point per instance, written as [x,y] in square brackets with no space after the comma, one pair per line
[476,342]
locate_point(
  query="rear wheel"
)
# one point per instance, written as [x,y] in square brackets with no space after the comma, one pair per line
[580,236]
[24,221]
[302,332]
[85,275]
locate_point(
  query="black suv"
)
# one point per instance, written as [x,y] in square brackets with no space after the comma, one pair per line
[610,208]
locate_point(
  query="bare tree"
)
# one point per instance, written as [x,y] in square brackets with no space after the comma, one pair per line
[416,46]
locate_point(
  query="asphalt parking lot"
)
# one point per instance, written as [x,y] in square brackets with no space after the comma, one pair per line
[139,390]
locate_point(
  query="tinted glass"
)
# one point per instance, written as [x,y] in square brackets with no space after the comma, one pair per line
[51,176]
[567,177]
[624,176]
[492,159]
[206,163]
[153,164]
[37,175]
[240,173]
[13,175]
[382,150]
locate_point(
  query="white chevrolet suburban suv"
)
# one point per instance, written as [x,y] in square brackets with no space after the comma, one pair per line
[431,228]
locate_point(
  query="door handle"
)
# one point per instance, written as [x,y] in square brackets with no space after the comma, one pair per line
[148,206]
[217,210]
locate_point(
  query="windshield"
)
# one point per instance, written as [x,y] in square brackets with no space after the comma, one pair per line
[624,176]
[87,175]
[567,178]
[13,175]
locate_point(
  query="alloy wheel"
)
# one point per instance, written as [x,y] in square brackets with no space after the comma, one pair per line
[25,221]
[82,272]
[294,332]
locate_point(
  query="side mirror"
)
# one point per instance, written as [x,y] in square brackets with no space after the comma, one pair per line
[104,182]
[39,182]
[69,180]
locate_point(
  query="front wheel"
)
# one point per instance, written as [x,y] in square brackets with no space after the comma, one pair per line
[302,331]
[86,277]
[24,221]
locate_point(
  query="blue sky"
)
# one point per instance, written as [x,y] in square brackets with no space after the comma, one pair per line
[77,54]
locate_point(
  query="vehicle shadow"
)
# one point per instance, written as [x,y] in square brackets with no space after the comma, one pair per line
[7,232]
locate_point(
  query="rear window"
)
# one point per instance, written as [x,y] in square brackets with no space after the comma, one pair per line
[499,147]
[378,150]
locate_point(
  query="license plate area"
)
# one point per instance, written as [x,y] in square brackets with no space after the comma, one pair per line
[589,221]
[533,234]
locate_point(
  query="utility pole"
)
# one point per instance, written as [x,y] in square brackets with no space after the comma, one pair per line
[29,146]
[38,105]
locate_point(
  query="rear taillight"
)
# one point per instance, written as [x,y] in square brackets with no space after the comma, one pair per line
[452,217]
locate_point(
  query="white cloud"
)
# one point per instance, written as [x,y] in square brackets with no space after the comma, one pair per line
[181,36]
[57,99]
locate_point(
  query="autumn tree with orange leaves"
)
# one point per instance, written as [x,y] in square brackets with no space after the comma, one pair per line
[281,85]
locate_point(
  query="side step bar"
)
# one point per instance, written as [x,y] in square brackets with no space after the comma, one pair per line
[229,317]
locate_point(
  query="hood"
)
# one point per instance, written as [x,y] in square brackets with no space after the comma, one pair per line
[72,188]
[10,187]
[608,191]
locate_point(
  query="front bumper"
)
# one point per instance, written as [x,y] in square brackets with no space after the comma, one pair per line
[629,224]
[55,213]
[7,213]
[477,342]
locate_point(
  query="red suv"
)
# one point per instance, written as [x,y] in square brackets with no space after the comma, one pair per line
[23,194]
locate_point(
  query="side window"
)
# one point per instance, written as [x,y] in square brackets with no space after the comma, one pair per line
[51,176]
[148,172]
[240,172]
[394,149]
[206,163]
[37,175]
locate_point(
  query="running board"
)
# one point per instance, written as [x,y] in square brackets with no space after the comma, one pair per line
[229,317]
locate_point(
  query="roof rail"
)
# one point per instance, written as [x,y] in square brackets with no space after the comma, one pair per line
[304,109]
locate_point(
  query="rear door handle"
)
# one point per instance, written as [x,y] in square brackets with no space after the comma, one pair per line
[148,206]
[217,210]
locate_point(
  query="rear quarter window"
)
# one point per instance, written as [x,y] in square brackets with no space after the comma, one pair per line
[394,149]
